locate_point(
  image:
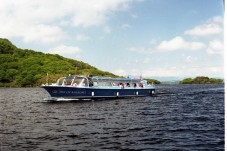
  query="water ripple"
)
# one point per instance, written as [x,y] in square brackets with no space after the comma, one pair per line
[178,117]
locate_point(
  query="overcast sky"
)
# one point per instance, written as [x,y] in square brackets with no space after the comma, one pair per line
[180,38]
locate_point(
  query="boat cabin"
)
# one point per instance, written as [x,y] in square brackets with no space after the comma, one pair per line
[83,81]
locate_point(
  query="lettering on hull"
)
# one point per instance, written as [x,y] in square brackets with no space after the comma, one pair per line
[72,92]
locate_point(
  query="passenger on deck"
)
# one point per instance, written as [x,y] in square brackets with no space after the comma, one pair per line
[121,85]
[134,85]
[141,85]
[91,83]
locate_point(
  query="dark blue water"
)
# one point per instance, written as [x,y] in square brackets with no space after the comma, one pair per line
[179,117]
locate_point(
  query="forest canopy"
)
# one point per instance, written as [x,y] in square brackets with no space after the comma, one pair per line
[201,80]
[28,68]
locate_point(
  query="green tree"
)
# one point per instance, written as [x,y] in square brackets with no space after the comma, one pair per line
[187,81]
[152,81]
[201,80]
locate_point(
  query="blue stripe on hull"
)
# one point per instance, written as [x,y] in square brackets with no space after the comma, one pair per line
[75,92]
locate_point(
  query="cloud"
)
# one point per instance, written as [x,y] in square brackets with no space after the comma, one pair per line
[179,43]
[107,29]
[43,21]
[120,72]
[90,13]
[146,60]
[66,51]
[168,72]
[126,72]
[153,41]
[210,27]
[82,37]
[174,71]
[215,47]
[139,49]
[29,21]
[43,33]
[211,71]
[176,44]
[125,26]
[191,13]
[134,16]
[190,59]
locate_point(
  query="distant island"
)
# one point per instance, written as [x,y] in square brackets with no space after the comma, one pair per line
[152,81]
[202,80]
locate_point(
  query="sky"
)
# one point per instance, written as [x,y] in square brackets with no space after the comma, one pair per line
[152,38]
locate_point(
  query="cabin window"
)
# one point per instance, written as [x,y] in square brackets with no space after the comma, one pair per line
[95,84]
[79,81]
[104,83]
[60,81]
[67,82]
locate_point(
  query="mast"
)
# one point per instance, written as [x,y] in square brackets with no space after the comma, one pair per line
[47,79]
[76,69]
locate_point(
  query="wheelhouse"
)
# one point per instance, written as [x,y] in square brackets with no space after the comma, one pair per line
[79,81]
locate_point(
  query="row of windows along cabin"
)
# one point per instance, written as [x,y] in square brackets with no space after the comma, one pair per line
[83,81]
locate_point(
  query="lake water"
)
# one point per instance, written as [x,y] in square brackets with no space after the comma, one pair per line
[179,117]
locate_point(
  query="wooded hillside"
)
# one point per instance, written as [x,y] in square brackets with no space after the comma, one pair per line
[28,68]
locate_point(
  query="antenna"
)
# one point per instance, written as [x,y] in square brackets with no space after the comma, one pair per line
[47,79]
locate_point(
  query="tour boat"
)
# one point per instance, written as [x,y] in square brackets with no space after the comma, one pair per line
[76,87]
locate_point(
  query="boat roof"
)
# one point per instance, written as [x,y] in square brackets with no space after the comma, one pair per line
[106,79]
[109,79]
